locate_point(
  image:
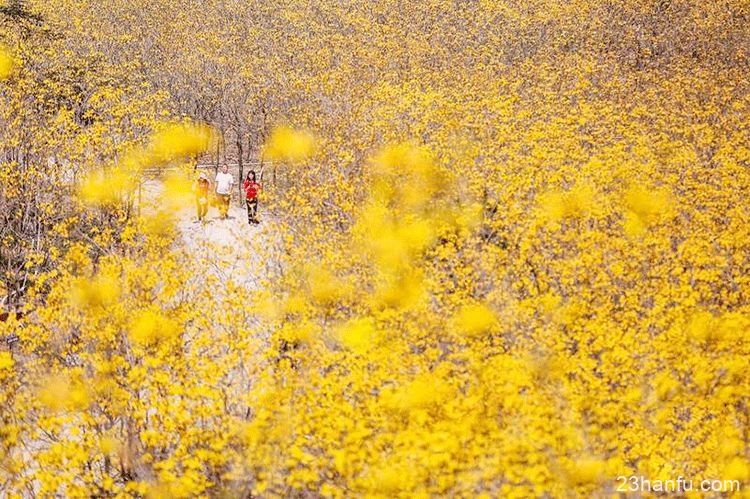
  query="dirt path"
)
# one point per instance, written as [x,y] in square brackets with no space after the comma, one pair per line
[231,247]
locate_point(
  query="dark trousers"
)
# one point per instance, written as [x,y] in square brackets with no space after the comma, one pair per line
[252,210]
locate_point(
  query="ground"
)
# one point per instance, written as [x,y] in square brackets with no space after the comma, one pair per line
[230,248]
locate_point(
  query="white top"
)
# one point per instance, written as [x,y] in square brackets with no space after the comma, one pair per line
[224,182]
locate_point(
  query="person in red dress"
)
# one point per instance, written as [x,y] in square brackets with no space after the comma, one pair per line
[251,188]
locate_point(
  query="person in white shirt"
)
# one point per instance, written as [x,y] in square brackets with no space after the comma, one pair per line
[224,184]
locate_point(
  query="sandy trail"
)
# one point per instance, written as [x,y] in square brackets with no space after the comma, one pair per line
[232,247]
[230,260]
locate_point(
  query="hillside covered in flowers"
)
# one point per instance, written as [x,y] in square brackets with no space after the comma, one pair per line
[503,251]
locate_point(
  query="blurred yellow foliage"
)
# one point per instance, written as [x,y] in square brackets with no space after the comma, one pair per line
[179,140]
[286,144]
[475,319]
[7,64]
[6,360]
[149,326]
[61,393]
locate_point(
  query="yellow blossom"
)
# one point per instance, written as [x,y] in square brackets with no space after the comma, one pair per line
[7,64]
[475,319]
[61,393]
[150,325]
[287,144]
[178,140]
[6,361]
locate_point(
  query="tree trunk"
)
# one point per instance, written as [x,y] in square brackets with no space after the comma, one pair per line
[216,158]
[240,163]
[249,147]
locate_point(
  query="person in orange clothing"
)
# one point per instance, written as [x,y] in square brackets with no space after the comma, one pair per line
[251,188]
[202,187]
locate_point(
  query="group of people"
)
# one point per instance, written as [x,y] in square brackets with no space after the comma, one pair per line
[224,182]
